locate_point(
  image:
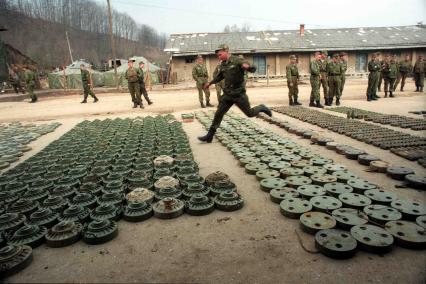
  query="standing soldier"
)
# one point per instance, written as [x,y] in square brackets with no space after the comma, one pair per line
[220,85]
[142,87]
[15,80]
[132,76]
[86,79]
[405,68]
[334,73]
[232,72]
[380,74]
[344,63]
[390,71]
[373,68]
[419,73]
[201,77]
[323,74]
[292,73]
[30,83]
[315,81]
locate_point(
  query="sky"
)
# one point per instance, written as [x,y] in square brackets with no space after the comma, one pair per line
[187,16]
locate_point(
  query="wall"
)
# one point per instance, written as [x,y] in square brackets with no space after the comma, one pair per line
[277,62]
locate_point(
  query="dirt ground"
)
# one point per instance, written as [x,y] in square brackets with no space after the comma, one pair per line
[253,245]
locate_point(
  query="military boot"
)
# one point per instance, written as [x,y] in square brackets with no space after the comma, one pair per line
[208,104]
[417,89]
[290,101]
[319,105]
[402,89]
[202,105]
[391,95]
[369,98]
[265,109]
[141,105]
[208,138]
[135,105]
[311,103]
[150,102]
[84,100]
[386,94]
[337,101]
[296,103]
[95,99]
[330,101]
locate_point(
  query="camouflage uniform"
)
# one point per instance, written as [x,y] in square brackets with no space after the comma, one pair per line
[292,73]
[142,87]
[344,65]
[373,68]
[86,79]
[380,77]
[405,68]
[30,84]
[419,74]
[132,76]
[315,82]
[334,73]
[219,86]
[201,77]
[390,72]
[323,77]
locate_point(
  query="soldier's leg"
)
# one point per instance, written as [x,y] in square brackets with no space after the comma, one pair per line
[342,84]
[138,95]
[391,84]
[223,107]
[296,94]
[200,95]
[421,81]
[338,90]
[30,89]
[403,77]
[398,79]
[243,104]
[290,95]
[132,94]
[386,87]
[207,94]
[145,94]
[379,83]
[85,93]
[376,83]
[312,97]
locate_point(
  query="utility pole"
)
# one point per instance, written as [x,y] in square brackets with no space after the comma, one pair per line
[69,46]
[112,44]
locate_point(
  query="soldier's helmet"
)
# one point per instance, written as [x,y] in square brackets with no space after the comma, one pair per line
[223,46]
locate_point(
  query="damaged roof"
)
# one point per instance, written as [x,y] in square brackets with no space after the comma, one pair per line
[291,40]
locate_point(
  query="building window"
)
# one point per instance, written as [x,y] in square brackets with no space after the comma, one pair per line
[260,62]
[361,62]
[190,59]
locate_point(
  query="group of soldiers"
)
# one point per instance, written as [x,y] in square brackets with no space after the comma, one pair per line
[392,73]
[136,84]
[23,79]
[330,74]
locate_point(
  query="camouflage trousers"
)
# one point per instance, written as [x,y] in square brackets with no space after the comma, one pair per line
[324,83]
[372,85]
[315,88]
[419,78]
[402,76]
[342,84]
[143,91]
[30,90]
[87,91]
[379,82]
[334,83]
[227,101]
[200,87]
[293,89]
[135,92]
[389,84]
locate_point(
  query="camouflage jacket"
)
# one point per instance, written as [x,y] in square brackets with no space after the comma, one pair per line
[419,67]
[344,65]
[373,66]
[314,68]
[232,72]
[292,72]
[405,67]
[132,74]
[199,73]
[334,69]
[29,77]
[86,77]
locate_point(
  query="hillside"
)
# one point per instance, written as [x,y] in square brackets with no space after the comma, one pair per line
[45,42]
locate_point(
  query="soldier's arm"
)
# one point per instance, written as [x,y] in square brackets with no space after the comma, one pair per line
[288,75]
[194,74]
[125,75]
[216,79]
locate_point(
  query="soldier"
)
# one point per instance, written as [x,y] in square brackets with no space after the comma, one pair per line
[232,72]
[30,83]
[86,79]
[344,63]
[292,73]
[15,80]
[315,81]
[373,68]
[390,71]
[201,77]
[334,73]
[323,73]
[220,85]
[380,74]
[133,76]
[405,68]
[419,73]
[142,87]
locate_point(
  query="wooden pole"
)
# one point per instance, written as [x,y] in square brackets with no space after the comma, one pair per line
[112,44]
[69,46]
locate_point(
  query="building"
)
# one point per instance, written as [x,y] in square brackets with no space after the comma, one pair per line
[269,50]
